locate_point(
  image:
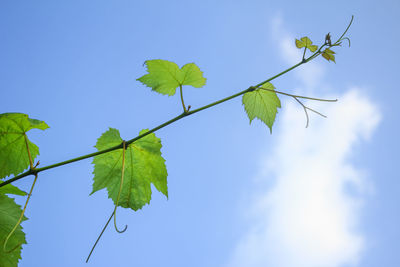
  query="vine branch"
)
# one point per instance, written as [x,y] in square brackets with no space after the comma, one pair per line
[186,113]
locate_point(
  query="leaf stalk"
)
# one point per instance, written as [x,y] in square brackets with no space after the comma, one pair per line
[183,102]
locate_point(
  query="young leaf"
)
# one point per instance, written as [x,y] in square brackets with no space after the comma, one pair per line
[262,104]
[9,215]
[306,42]
[143,165]
[13,151]
[329,55]
[165,76]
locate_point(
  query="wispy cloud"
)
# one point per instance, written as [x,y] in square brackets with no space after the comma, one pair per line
[309,217]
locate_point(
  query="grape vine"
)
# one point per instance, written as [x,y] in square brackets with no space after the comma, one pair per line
[127,168]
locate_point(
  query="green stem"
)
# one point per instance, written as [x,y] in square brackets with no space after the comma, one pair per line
[183,103]
[19,221]
[98,238]
[26,203]
[184,114]
[283,72]
[251,88]
[299,96]
[29,152]
[344,33]
[120,190]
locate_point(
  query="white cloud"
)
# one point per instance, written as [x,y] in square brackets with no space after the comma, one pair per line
[308,217]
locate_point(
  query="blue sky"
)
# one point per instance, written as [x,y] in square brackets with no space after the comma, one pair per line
[323,196]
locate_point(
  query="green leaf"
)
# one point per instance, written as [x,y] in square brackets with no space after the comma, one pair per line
[329,55]
[144,166]
[9,215]
[14,157]
[165,76]
[306,42]
[10,189]
[262,104]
